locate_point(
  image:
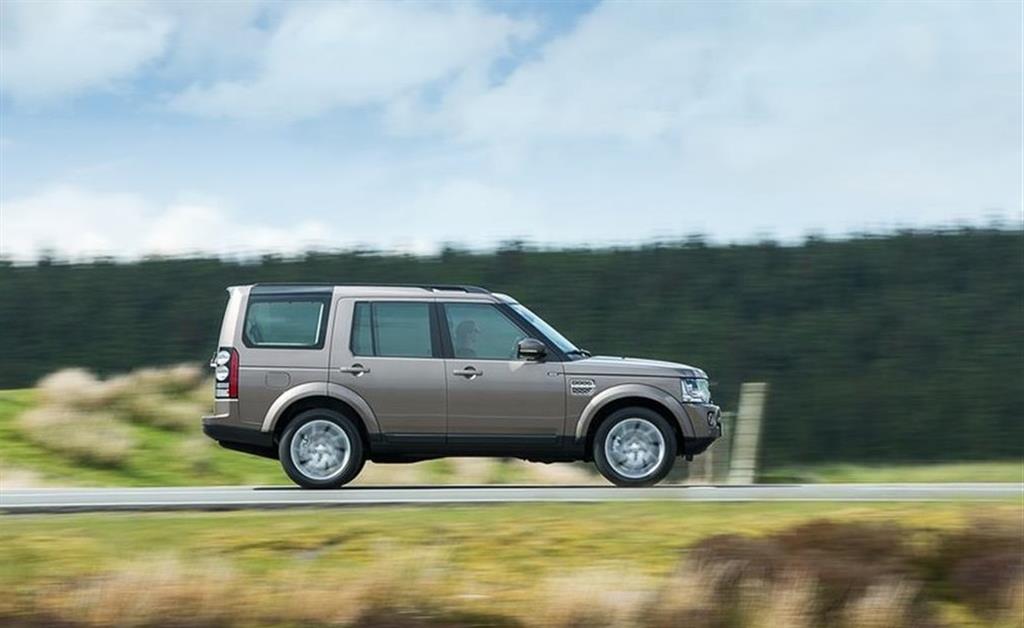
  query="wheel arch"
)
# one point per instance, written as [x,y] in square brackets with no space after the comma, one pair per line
[318,395]
[632,395]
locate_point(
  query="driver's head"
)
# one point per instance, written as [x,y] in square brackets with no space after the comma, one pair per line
[466,334]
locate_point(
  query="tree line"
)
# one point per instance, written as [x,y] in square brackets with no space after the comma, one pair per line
[898,347]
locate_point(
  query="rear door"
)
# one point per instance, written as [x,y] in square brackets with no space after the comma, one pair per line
[283,345]
[388,352]
[496,400]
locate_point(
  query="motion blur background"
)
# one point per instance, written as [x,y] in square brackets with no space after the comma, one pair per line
[825,197]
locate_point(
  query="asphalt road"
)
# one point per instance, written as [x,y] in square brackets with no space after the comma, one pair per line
[238,497]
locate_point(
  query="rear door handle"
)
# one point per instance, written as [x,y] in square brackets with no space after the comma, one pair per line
[355,369]
[469,372]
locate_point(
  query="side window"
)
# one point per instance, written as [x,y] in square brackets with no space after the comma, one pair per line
[362,333]
[392,330]
[286,322]
[479,330]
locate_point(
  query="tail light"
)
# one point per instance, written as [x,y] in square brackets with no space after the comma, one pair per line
[225,372]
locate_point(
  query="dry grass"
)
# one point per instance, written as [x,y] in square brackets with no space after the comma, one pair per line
[722,582]
[88,419]
[91,437]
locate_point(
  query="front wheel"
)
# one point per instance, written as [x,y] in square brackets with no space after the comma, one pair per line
[635,447]
[321,449]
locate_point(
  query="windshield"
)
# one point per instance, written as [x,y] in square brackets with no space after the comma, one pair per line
[550,332]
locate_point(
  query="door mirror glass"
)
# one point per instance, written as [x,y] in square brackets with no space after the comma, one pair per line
[531,349]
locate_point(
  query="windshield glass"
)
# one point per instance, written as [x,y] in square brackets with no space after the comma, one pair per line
[550,332]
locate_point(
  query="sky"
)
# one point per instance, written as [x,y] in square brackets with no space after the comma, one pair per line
[130,129]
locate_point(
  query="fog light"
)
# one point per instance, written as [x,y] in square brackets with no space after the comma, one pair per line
[711,418]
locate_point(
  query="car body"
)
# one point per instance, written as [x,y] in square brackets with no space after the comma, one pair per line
[325,377]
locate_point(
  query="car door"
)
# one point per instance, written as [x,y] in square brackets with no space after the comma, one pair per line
[388,352]
[496,399]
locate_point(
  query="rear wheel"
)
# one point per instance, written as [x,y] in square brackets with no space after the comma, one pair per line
[635,447]
[321,449]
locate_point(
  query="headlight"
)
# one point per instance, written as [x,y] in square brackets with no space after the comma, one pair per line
[695,390]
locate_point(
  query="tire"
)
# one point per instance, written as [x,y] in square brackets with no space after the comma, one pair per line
[645,461]
[331,439]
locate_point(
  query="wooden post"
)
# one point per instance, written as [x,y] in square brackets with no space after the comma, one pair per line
[743,465]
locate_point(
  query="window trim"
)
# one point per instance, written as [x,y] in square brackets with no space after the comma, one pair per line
[322,299]
[436,347]
[553,355]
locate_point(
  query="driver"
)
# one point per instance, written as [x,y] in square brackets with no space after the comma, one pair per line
[466,335]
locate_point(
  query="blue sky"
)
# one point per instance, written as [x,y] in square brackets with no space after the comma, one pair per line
[239,127]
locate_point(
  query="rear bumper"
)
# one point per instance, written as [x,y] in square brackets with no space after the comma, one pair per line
[249,440]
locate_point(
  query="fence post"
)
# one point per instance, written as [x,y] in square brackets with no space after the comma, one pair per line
[743,463]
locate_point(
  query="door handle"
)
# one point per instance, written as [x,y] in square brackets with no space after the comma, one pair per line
[469,372]
[355,369]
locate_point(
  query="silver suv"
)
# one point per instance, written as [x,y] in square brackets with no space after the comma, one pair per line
[326,377]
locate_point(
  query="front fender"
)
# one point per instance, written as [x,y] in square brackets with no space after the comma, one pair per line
[644,391]
[321,389]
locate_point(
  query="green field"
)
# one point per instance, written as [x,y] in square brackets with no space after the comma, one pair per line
[1005,471]
[514,565]
[161,458]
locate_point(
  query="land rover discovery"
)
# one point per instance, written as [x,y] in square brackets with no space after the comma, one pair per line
[326,377]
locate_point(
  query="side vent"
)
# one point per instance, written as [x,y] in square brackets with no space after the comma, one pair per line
[581,387]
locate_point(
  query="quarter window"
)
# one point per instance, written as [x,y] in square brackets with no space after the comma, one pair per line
[392,329]
[479,330]
[286,322]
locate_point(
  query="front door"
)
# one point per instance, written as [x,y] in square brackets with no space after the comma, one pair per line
[496,400]
[385,352]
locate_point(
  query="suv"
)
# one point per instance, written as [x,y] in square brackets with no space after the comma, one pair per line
[325,377]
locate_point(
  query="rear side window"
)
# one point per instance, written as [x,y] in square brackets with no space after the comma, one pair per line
[286,322]
[392,330]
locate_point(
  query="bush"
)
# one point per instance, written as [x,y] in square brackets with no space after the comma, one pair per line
[828,573]
[89,437]
[88,418]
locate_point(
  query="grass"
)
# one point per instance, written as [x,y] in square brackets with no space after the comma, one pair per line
[168,449]
[159,457]
[1003,471]
[178,454]
[524,561]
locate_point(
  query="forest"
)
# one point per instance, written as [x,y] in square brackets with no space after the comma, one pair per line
[906,346]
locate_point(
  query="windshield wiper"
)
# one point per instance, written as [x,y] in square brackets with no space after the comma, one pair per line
[582,352]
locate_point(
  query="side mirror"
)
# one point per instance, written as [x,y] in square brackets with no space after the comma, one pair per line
[531,349]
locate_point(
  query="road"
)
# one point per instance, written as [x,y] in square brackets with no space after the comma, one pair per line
[239,497]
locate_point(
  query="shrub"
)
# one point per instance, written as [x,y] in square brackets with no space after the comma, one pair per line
[89,437]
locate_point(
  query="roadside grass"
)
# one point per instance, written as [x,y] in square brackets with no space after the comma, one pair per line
[159,457]
[998,471]
[174,452]
[170,450]
[514,565]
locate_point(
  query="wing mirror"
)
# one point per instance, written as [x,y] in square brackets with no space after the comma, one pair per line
[531,349]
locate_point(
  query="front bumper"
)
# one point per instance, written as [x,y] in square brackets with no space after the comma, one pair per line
[706,419]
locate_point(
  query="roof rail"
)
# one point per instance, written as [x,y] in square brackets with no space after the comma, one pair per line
[454,288]
[283,286]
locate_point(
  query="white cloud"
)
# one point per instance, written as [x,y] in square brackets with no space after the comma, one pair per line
[75,222]
[641,72]
[52,50]
[327,55]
